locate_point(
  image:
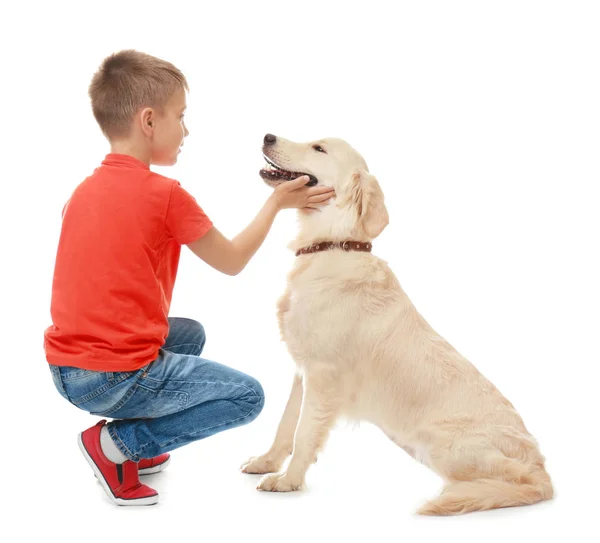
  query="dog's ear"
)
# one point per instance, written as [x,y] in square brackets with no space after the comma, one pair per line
[367,196]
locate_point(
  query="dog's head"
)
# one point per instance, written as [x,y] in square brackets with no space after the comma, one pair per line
[358,210]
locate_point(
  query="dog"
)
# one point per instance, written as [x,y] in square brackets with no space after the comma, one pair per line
[363,352]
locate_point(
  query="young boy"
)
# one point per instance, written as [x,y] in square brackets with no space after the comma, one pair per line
[112,349]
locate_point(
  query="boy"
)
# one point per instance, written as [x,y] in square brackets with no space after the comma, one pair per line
[112,349]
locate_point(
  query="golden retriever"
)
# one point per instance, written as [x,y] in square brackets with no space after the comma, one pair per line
[364,352]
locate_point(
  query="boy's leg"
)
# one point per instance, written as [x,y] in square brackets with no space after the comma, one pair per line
[186,336]
[179,399]
[182,398]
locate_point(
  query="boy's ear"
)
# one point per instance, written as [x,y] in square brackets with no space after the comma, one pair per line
[147,120]
[369,201]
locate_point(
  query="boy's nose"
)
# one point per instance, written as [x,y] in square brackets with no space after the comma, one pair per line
[270,139]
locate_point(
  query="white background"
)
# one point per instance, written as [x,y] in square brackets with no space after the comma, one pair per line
[481,121]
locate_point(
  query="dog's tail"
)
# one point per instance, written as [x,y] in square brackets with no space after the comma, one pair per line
[483,494]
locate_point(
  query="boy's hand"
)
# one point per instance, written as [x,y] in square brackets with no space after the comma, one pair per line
[294,194]
[231,257]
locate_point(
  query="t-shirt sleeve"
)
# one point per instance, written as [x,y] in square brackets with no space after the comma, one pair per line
[186,221]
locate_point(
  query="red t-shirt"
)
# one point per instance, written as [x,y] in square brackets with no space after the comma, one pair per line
[117,258]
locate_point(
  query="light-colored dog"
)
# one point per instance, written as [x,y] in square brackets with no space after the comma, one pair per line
[364,352]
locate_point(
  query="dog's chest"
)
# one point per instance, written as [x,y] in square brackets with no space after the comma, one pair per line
[313,323]
[304,315]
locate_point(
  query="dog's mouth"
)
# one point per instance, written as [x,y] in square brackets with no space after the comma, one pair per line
[274,174]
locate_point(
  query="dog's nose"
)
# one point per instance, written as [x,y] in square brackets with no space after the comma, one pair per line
[270,139]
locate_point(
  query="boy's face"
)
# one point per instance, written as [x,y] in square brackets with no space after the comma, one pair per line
[169,131]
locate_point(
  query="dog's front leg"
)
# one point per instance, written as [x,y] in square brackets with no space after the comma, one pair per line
[320,409]
[284,438]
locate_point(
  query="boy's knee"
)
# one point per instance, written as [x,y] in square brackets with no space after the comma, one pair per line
[200,333]
[193,329]
[255,398]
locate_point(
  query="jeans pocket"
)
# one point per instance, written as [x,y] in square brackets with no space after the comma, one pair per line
[96,391]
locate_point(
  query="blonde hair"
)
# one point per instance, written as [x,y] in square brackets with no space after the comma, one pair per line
[127,81]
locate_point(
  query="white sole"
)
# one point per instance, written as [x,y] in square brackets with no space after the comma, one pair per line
[150,500]
[155,469]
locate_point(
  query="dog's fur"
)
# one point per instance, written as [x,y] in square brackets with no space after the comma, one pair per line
[364,352]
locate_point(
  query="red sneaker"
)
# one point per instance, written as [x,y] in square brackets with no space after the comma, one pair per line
[146,466]
[120,481]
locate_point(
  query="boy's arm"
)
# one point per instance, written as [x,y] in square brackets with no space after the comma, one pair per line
[231,256]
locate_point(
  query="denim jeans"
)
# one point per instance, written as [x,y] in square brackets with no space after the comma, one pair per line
[176,399]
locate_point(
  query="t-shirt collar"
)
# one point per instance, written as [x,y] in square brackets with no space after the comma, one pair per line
[124,161]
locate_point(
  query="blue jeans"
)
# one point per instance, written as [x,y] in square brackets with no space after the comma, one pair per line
[176,399]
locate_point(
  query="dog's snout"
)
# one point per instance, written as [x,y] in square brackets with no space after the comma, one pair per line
[270,139]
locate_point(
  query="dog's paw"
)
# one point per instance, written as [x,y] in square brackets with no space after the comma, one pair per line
[260,464]
[280,482]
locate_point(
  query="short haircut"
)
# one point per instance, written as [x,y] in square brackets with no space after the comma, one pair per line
[127,81]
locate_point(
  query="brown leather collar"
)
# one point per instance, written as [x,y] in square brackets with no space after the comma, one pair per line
[363,246]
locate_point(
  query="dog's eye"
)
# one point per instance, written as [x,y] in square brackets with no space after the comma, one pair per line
[318,148]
